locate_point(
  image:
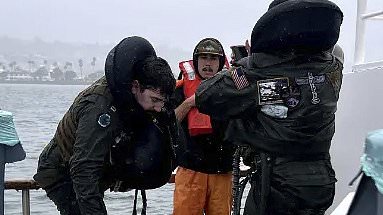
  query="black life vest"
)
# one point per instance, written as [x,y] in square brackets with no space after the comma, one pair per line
[143,160]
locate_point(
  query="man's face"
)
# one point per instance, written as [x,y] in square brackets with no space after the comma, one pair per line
[208,65]
[149,99]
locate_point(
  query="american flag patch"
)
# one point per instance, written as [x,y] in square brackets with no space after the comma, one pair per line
[239,78]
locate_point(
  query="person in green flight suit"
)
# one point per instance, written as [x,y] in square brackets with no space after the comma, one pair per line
[117,134]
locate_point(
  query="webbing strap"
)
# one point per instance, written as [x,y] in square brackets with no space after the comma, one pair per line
[135,203]
[144,202]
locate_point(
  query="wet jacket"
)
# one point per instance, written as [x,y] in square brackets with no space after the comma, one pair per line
[285,103]
[205,153]
[84,137]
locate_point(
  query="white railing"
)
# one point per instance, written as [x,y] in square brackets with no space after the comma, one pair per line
[361,19]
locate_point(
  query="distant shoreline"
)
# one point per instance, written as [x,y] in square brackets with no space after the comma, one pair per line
[45,82]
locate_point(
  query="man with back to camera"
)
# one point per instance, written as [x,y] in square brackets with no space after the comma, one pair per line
[117,134]
[203,183]
[282,103]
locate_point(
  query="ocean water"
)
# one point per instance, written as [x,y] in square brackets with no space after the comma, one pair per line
[37,110]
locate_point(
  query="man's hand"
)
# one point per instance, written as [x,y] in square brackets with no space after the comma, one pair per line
[183,109]
[191,101]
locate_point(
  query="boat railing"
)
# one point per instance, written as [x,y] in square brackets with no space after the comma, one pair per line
[26,185]
[361,21]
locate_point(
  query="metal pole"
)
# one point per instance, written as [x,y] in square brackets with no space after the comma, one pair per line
[2,171]
[372,15]
[26,202]
[380,202]
[360,32]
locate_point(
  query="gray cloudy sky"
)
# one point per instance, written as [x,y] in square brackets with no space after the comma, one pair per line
[175,23]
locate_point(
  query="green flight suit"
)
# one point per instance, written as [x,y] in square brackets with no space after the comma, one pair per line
[76,167]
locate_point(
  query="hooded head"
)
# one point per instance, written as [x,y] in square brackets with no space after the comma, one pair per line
[275,3]
[133,59]
[120,62]
[208,46]
[297,26]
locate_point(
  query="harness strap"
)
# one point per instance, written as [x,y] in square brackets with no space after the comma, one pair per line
[144,202]
[135,203]
[236,184]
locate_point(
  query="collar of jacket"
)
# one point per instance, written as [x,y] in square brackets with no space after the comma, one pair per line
[262,60]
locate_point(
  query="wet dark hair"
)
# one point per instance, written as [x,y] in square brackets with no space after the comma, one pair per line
[155,73]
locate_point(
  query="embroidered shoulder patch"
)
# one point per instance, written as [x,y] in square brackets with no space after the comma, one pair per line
[104,120]
[239,78]
[272,91]
[315,79]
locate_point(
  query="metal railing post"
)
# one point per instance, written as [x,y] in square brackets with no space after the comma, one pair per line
[26,202]
[361,21]
[360,31]
[2,173]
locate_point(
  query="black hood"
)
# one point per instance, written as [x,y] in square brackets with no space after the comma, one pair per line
[120,63]
[300,25]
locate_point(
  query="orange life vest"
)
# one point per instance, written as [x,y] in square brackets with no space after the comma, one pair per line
[198,123]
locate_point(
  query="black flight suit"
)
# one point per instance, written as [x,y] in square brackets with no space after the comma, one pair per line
[283,106]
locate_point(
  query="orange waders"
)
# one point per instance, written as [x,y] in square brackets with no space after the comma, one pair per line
[197,192]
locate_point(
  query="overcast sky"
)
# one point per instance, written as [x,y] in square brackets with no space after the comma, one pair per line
[175,23]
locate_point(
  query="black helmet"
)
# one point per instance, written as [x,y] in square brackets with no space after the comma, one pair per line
[120,65]
[209,46]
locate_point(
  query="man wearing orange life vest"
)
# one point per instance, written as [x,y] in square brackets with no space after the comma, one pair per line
[203,183]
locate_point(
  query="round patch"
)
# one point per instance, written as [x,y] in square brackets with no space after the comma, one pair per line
[293,98]
[291,102]
[104,120]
